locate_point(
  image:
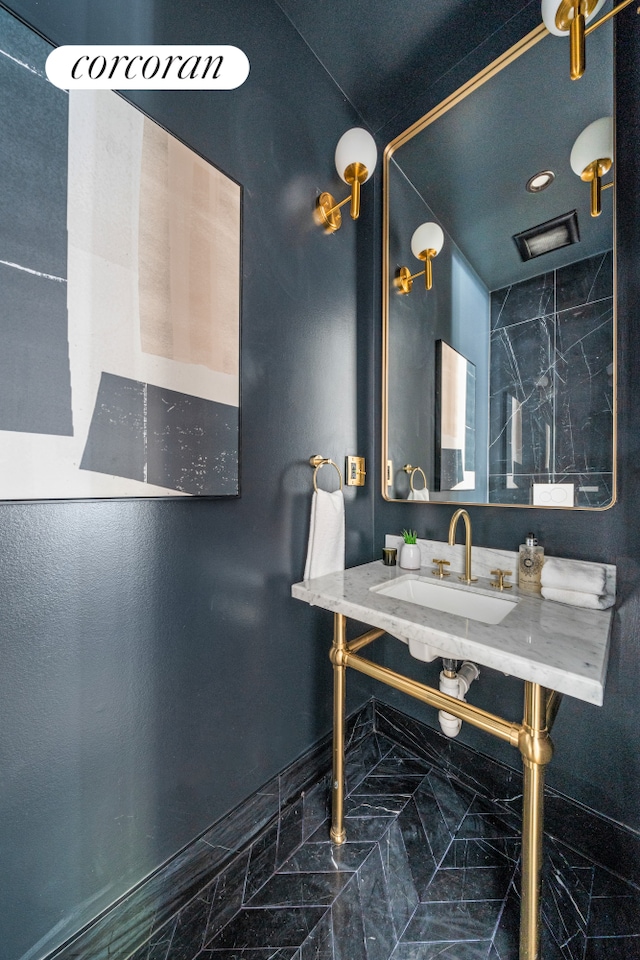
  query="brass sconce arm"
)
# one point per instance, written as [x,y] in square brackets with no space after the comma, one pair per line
[328,211]
[572,16]
[404,279]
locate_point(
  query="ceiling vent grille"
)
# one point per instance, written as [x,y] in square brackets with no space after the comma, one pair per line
[553,235]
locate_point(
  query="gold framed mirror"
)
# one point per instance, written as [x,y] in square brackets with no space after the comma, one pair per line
[490,246]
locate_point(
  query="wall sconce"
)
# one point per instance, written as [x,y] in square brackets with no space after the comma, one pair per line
[562,17]
[356,156]
[592,156]
[426,243]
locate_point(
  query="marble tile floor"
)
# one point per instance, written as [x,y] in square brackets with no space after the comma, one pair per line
[430,869]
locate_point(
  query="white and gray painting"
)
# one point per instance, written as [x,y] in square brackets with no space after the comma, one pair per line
[119,314]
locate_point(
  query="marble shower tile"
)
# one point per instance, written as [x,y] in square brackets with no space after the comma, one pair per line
[585,281]
[584,389]
[521,367]
[523,301]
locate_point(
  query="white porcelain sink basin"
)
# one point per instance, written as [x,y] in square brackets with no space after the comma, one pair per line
[464,603]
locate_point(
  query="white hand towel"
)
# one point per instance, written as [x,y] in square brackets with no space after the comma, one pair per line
[590,600]
[574,576]
[325,553]
[422,494]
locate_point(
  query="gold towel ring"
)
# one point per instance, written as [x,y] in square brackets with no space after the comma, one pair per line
[412,471]
[317,461]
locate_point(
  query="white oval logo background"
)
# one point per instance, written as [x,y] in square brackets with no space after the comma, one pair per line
[147,67]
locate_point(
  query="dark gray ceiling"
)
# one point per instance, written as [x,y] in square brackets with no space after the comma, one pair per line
[381,52]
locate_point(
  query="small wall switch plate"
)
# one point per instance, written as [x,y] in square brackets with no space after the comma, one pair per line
[389,473]
[355,471]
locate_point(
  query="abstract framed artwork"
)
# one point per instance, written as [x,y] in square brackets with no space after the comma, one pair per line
[120,273]
[455,445]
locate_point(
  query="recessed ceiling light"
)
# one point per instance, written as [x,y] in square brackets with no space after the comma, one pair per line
[540,181]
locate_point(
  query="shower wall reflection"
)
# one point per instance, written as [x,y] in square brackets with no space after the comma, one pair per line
[551,395]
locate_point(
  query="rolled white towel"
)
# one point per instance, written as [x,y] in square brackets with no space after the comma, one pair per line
[573,576]
[591,601]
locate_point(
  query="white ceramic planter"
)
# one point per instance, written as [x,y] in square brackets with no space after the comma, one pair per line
[410,556]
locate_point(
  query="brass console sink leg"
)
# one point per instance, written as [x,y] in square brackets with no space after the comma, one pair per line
[536,749]
[338,834]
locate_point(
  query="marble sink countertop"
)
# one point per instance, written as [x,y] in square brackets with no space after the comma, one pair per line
[561,647]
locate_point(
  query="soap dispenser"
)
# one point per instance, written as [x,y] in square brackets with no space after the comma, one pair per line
[530,564]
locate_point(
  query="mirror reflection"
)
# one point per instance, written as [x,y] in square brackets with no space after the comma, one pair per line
[499,339]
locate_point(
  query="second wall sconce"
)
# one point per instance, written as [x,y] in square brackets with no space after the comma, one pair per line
[562,17]
[592,157]
[426,243]
[356,157]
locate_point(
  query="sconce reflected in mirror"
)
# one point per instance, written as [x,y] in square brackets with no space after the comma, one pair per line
[426,243]
[570,17]
[356,157]
[592,157]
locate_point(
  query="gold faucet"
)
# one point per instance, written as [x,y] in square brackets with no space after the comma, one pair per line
[452,539]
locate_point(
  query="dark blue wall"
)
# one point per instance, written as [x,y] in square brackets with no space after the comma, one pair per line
[597,757]
[155,670]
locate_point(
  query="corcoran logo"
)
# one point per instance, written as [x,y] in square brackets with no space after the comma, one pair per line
[147,67]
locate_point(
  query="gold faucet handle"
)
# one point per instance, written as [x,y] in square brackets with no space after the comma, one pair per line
[499,584]
[441,572]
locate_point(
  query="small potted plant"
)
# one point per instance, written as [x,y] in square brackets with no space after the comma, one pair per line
[410,551]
